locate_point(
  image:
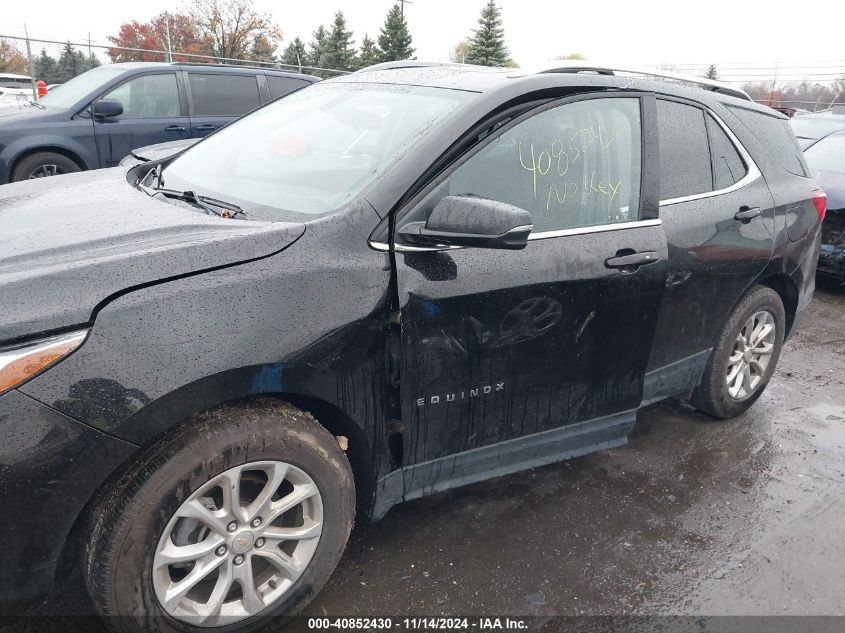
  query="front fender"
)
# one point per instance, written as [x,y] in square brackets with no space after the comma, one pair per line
[80,145]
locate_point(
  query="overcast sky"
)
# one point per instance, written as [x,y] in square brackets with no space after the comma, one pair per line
[717,31]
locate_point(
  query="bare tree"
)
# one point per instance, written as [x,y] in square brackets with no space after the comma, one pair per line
[234,27]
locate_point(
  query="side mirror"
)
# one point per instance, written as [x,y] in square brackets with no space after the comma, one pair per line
[106,108]
[471,221]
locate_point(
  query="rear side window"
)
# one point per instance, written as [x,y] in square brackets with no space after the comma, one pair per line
[223,95]
[685,164]
[280,86]
[728,167]
[776,136]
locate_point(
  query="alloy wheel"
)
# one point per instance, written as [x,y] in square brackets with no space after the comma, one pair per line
[238,544]
[750,355]
[43,171]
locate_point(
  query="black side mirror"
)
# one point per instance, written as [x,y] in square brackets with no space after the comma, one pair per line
[106,108]
[471,221]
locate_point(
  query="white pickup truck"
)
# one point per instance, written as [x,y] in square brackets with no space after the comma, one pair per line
[15,90]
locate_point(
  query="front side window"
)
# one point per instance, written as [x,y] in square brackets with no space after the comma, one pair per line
[148,97]
[571,166]
[223,95]
[313,151]
[685,165]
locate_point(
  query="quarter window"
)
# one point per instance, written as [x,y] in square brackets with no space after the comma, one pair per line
[223,95]
[685,164]
[148,97]
[280,86]
[571,166]
[728,167]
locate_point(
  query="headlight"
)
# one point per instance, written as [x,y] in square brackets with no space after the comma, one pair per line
[22,362]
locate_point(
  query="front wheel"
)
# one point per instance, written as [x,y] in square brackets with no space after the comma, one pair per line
[236,519]
[745,355]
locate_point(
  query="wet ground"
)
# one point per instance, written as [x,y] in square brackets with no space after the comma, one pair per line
[694,516]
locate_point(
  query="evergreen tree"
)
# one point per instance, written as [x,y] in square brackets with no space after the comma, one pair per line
[318,43]
[712,72]
[92,61]
[71,63]
[395,39]
[487,44]
[46,68]
[263,49]
[338,52]
[294,54]
[369,53]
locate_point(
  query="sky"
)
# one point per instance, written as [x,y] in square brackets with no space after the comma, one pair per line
[730,33]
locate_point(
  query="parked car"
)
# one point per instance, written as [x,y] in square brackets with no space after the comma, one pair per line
[160,151]
[15,90]
[388,285]
[809,128]
[826,157]
[97,118]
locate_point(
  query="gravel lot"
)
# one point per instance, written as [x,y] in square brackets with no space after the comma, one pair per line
[694,516]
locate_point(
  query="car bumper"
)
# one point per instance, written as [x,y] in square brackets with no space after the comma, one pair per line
[832,260]
[50,466]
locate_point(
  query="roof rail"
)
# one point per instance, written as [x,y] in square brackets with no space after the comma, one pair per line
[409,63]
[578,66]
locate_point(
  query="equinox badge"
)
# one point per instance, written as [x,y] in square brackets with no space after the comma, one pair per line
[452,397]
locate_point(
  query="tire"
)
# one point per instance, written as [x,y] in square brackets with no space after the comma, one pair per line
[130,522]
[713,395]
[44,163]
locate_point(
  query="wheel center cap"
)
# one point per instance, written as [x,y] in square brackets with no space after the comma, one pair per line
[747,356]
[243,542]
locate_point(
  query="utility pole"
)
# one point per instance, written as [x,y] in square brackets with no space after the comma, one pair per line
[31,64]
[167,31]
[402,6]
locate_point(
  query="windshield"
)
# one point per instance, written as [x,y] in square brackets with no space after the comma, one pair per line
[811,127]
[80,87]
[828,154]
[313,151]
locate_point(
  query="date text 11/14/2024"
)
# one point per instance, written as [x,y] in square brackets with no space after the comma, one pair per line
[481,624]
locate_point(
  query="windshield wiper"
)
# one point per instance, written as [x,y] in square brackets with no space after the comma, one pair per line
[220,208]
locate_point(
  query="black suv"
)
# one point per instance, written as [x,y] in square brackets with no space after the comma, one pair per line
[99,117]
[380,287]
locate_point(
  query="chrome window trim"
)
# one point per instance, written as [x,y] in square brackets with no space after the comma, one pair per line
[541,235]
[751,175]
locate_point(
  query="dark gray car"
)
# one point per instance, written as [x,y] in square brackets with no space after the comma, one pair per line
[99,117]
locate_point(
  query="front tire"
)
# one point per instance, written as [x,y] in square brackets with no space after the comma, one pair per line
[44,164]
[236,518]
[744,357]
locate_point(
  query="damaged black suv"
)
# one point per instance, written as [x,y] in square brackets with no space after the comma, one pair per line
[383,286]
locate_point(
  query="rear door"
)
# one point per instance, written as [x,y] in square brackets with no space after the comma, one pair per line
[153,112]
[719,219]
[500,344]
[216,99]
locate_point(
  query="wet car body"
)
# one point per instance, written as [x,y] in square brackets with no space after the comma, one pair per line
[440,366]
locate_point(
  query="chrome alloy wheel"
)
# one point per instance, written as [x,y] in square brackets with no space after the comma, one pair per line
[43,171]
[750,355]
[238,543]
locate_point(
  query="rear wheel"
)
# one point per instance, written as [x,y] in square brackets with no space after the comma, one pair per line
[238,518]
[745,355]
[42,165]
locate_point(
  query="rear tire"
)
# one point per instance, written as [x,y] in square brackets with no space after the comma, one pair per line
[42,164]
[724,393]
[140,521]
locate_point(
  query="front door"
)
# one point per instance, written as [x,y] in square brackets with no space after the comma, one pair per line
[152,113]
[499,345]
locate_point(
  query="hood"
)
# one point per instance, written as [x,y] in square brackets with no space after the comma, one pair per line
[27,112]
[833,184]
[157,152]
[69,243]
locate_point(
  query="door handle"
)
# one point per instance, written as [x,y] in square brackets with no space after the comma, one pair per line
[174,128]
[632,261]
[746,214]
[205,127]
